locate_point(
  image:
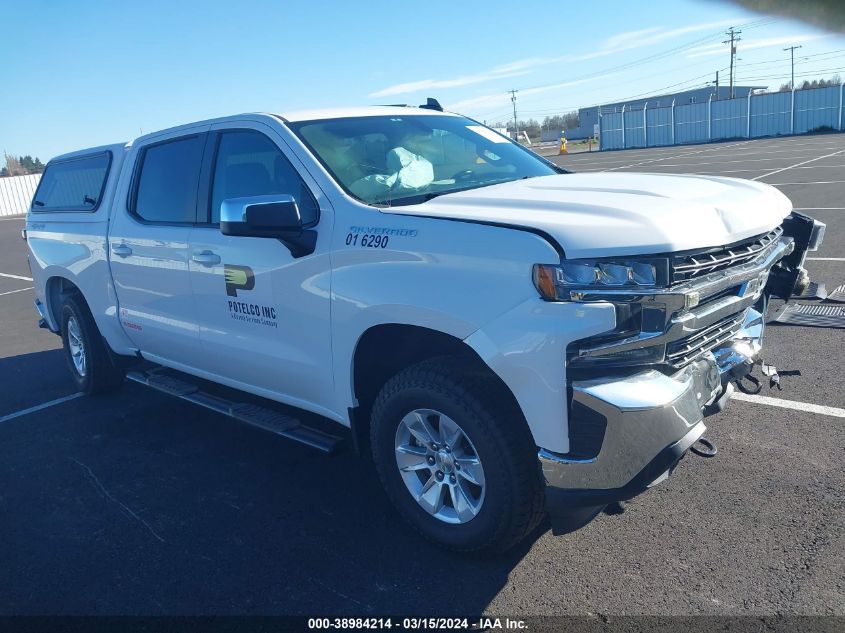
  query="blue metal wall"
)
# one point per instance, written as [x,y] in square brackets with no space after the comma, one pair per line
[690,122]
[728,119]
[611,128]
[634,128]
[659,123]
[818,108]
[771,114]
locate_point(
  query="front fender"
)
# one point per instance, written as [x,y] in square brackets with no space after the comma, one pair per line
[450,277]
[526,347]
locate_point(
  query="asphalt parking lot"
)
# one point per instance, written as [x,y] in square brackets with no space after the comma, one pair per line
[135,503]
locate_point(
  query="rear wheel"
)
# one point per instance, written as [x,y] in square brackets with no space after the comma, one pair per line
[90,363]
[455,458]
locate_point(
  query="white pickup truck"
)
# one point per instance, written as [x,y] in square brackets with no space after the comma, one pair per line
[503,337]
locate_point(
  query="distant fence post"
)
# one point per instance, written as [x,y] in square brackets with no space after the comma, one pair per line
[709,116]
[841,86]
[748,124]
[673,120]
[645,125]
[601,131]
[792,113]
[623,127]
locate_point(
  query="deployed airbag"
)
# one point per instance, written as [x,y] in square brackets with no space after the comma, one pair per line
[408,172]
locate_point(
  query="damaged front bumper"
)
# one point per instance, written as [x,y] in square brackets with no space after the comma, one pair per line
[644,422]
[651,420]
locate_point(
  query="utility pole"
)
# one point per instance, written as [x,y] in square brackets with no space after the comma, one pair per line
[791,50]
[734,34]
[717,85]
[515,120]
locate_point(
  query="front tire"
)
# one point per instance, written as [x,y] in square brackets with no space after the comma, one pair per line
[456,457]
[89,361]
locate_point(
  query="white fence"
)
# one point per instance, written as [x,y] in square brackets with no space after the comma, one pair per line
[754,116]
[16,193]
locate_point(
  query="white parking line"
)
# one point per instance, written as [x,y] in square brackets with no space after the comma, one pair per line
[787,184]
[721,162]
[16,277]
[812,160]
[11,292]
[790,404]
[818,208]
[702,151]
[40,407]
[826,259]
[21,219]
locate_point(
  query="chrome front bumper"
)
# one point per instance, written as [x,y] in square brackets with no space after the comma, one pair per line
[652,419]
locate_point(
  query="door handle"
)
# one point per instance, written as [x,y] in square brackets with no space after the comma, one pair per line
[206,258]
[121,250]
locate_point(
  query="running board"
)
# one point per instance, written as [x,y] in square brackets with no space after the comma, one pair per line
[252,414]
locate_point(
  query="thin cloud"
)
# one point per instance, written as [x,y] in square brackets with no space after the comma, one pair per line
[456,82]
[628,38]
[648,37]
[497,99]
[492,99]
[618,43]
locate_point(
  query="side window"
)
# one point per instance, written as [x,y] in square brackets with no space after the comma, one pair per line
[166,189]
[250,164]
[73,185]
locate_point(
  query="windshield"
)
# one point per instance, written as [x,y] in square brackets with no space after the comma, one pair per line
[384,160]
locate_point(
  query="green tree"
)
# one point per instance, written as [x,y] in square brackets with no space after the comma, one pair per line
[20,166]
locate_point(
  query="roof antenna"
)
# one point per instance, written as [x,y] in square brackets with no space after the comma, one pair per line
[432,104]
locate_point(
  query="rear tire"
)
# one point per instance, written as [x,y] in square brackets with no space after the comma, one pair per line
[429,405]
[89,360]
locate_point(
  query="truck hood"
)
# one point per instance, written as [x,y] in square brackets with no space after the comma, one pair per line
[611,214]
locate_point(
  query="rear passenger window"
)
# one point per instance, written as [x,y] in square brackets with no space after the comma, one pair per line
[73,185]
[166,190]
[250,164]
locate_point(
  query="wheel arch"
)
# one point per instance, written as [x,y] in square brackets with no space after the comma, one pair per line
[385,349]
[56,288]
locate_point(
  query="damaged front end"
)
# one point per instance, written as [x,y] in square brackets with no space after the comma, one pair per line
[789,277]
[639,395]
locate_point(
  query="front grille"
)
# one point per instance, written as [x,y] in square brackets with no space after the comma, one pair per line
[692,266]
[684,351]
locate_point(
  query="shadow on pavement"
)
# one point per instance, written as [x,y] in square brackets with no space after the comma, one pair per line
[30,379]
[139,504]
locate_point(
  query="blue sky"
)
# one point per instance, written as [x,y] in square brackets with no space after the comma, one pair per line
[78,74]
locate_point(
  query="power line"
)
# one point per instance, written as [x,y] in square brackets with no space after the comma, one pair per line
[657,56]
[802,58]
[835,69]
[653,57]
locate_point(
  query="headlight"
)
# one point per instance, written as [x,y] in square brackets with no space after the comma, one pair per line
[555,281]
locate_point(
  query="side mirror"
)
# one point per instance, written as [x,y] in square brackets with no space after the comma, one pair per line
[260,216]
[274,216]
